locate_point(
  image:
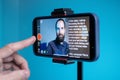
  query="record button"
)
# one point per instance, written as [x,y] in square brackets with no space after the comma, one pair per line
[39,36]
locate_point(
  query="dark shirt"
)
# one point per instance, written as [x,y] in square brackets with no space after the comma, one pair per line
[55,47]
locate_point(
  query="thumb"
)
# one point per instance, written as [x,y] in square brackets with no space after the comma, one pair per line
[16,75]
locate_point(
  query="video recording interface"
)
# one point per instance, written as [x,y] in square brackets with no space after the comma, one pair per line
[68,37]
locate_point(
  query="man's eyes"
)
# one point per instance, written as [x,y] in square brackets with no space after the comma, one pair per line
[60,28]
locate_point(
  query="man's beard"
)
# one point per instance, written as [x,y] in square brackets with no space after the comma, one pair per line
[60,38]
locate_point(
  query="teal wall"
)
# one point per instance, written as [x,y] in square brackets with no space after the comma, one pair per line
[17,22]
[10,21]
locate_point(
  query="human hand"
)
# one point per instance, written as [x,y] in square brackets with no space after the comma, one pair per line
[12,65]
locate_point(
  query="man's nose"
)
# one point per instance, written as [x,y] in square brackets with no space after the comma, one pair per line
[60,31]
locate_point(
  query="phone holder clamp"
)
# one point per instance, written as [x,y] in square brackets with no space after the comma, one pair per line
[62,12]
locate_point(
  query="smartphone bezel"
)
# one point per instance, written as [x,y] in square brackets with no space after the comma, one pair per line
[93,36]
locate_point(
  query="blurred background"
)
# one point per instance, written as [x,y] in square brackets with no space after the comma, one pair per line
[16,24]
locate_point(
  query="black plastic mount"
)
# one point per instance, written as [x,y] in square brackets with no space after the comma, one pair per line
[64,12]
[62,61]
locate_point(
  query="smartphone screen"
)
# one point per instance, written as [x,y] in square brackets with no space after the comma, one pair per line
[69,36]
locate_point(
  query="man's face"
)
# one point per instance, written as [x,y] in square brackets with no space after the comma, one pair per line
[60,30]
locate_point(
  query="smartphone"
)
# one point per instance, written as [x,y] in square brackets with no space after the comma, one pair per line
[73,37]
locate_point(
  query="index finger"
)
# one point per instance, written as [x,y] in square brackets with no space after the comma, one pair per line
[14,47]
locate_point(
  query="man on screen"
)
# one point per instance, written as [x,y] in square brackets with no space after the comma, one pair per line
[59,46]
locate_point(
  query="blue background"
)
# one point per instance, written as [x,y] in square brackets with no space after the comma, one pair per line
[16,24]
[47,30]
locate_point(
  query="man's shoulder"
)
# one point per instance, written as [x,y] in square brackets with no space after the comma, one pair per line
[51,42]
[65,42]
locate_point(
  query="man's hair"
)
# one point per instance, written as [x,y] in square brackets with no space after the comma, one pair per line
[58,21]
